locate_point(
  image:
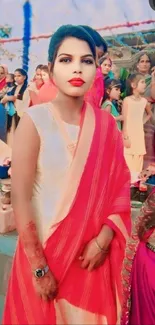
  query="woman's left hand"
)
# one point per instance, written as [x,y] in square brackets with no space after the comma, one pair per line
[92,257]
[95,252]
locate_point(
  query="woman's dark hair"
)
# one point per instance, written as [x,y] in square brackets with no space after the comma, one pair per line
[39,66]
[98,39]
[135,77]
[23,88]
[45,68]
[12,76]
[64,32]
[148,220]
[109,85]
[103,58]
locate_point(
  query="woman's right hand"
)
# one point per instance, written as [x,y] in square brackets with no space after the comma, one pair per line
[46,287]
[127,143]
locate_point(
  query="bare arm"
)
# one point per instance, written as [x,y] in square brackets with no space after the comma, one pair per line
[24,161]
[148,112]
[124,113]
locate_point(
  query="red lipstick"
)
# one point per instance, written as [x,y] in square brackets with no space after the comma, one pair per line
[76,82]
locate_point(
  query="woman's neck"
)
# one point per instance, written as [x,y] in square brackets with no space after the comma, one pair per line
[144,73]
[69,108]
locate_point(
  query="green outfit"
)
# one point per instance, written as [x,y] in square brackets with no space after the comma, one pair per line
[114,112]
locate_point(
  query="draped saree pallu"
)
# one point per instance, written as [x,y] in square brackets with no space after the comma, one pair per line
[96,192]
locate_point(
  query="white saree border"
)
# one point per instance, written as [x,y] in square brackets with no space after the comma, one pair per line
[75,171]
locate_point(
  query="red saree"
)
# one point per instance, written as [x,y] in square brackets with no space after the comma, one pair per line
[95,95]
[102,196]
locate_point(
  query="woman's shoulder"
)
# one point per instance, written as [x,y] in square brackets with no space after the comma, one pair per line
[39,113]
[38,109]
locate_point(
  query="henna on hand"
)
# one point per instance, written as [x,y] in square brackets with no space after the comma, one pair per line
[32,246]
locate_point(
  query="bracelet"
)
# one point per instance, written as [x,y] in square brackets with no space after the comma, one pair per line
[99,247]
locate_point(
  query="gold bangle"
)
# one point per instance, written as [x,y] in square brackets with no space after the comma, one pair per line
[99,247]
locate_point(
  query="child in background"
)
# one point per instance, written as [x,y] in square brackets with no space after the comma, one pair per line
[134,107]
[112,93]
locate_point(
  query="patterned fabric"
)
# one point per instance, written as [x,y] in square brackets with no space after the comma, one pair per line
[138,273]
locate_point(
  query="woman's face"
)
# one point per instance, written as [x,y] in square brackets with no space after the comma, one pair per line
[38,74]
[9,78]
[44,76]
[2,73]
[74,68]
[19,78]
[144,64]
[106,67]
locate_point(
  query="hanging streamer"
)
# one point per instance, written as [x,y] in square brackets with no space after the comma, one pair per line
[27,11]
[45,36]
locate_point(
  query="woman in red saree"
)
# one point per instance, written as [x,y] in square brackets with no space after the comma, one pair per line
[139,269]
[71,201]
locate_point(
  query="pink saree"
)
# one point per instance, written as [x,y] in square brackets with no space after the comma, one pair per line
[97,192]
[138,276]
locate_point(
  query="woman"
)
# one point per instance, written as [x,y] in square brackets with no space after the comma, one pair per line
[144,67]
[3,114]
[106,67]
[139,269]
[35,85]
[73,197]
[20,97]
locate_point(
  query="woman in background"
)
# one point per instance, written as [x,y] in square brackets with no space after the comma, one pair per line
[106,67]
[45,73]
[144,67]
[3,114]
[139,269]
[21,99]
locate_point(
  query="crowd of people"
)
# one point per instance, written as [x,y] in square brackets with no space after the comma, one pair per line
[131,103]
[70,172]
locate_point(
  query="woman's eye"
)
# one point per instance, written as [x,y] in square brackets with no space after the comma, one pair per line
[87,61]
[65,60]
